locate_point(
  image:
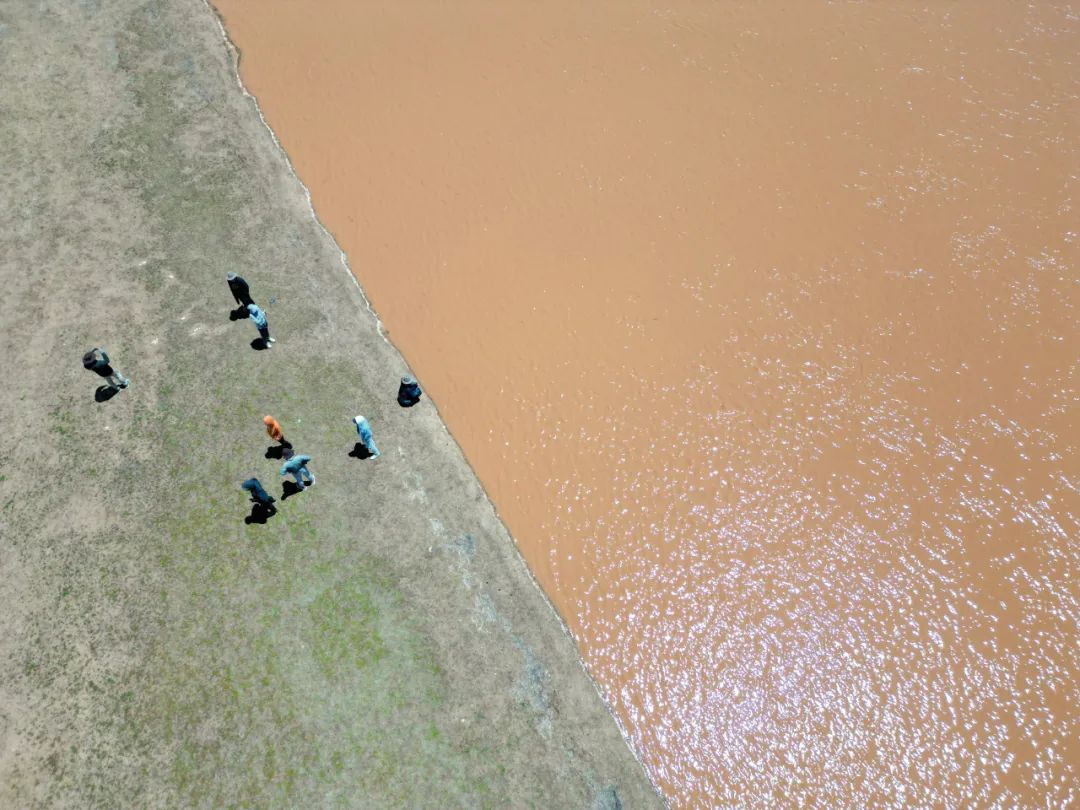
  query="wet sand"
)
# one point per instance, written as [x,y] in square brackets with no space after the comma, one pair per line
[759,324]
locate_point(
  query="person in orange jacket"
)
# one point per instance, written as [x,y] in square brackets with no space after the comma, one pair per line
[274,431]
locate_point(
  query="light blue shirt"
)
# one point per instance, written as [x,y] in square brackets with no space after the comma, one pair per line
[294,464]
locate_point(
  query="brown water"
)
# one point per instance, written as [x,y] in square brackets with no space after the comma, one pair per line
[759,323]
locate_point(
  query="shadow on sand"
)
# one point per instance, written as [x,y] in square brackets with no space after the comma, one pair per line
[288,489]
[360,451]
[260,513]
[105,392]
[277,450]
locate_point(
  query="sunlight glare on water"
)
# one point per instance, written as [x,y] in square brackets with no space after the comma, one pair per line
[759,324]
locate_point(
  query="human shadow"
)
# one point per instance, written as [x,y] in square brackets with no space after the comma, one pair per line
[360,451]
[288,489]
[277,450]
[239,313]
[258,344]
[260,513]
[105,392]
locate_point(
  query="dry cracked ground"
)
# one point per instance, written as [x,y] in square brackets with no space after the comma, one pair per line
[378,642]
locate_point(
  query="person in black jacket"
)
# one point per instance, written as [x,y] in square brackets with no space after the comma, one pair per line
[100,366]
[239,289]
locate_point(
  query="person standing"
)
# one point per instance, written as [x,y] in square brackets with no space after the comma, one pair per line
[239,288]
[258,317]
[274,431]
[363,430]
[296,466]
[101,367]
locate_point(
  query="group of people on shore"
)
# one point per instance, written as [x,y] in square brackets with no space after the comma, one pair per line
[296,465]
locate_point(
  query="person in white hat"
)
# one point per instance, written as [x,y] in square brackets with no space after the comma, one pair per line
[363,430]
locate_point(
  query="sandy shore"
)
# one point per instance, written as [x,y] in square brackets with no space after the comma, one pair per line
[377,643]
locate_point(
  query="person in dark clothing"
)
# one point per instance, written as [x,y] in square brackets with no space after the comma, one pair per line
[100,366]
[239,288]
[263,508]
[258,494]
[409,392]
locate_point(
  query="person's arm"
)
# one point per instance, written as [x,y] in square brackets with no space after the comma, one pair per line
[104,355]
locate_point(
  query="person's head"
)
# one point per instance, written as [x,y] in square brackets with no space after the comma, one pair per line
[268,420]
[408,381]
[230,276]
[357,419]
[252,308]
[88,359]
[287,453]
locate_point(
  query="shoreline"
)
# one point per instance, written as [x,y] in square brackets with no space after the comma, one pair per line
[235,55]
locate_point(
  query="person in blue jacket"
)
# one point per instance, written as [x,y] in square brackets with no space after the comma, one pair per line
[363,430]
[258,317]
[296,466]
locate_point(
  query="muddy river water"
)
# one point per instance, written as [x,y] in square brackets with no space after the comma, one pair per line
[759,322]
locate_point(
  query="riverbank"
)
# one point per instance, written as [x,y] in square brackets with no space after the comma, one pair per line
[378,642]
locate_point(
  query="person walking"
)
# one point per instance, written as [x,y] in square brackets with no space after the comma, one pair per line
[363,430]
[258,495]
[258,317]
[274,431]
[101,366]
[264,508]
[239,288]
[296,466]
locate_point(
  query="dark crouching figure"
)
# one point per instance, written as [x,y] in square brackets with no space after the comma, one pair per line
[100,366]
[264,503]
[409,392]
[256,491]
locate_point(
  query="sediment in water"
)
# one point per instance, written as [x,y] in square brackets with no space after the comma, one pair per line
[757,322]
[379,641]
